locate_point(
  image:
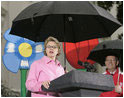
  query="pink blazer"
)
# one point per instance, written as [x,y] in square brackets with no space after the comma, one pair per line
[42,70]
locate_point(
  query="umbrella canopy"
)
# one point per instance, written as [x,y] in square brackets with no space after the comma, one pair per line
[68,21]
[112,47]
[79,52]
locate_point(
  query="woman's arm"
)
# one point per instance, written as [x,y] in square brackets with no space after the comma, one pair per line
[32,82]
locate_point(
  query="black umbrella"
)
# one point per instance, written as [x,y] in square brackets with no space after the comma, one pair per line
[112,47]
[68,21]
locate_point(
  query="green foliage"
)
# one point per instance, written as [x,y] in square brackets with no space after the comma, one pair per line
[120,11]
[120,36]
[107,5]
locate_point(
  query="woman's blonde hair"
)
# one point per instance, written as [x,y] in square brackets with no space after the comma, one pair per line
[54,40]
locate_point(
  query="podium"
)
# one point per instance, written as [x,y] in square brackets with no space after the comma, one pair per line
[77,83]
[81,93]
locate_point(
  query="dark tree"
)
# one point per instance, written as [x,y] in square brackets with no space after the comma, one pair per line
[120,11]
[120,36]
[109,4]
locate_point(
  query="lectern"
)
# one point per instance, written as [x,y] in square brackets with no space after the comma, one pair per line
[77,83]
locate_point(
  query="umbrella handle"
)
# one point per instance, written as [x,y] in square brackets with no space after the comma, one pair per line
[65,69]
[118,77]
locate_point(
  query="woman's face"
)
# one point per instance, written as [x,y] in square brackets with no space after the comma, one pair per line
[51,49]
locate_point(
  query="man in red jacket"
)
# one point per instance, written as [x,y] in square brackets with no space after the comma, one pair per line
[111,63]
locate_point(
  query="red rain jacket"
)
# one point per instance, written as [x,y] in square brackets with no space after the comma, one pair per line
[115,79]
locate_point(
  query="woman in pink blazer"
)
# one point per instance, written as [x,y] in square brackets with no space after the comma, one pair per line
[45,70]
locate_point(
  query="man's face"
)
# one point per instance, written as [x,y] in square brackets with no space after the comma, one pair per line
[111,62]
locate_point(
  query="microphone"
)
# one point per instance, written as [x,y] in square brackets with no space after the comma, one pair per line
[87,65]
